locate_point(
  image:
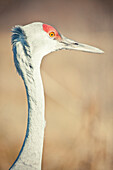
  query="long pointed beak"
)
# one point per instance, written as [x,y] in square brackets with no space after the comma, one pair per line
[72,45]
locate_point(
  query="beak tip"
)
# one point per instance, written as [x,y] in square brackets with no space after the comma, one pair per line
[101,52]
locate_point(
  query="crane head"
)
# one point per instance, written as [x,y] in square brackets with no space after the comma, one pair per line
[37,40]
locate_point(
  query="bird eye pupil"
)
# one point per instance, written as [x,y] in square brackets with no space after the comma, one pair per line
[51,34]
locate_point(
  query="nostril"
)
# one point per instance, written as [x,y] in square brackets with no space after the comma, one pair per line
[75,43]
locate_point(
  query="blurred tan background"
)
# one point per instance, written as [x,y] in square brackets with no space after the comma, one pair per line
[78,86]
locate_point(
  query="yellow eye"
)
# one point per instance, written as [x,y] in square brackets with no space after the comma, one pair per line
[51,34]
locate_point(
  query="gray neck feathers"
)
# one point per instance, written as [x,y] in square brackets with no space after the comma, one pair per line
[30,156]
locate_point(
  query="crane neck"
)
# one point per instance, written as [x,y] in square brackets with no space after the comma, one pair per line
[30,156]
[27,63]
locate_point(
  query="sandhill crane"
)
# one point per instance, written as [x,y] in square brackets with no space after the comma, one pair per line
[30,44]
